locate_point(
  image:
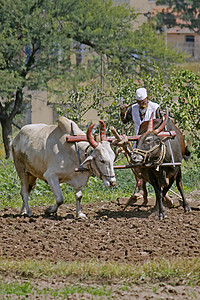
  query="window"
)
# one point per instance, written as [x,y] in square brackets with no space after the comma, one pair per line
[189,38]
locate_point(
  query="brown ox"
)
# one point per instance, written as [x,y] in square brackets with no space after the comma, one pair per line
[151,151]
[41,151]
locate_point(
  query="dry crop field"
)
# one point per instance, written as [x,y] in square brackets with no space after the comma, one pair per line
[133,237]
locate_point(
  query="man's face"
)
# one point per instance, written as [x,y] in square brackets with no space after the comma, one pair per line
[143,103]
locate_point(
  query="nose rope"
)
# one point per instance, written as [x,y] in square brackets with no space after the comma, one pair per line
[161,156]
[146,154]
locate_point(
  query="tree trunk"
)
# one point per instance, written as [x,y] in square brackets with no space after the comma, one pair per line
[7,119]
[7,136]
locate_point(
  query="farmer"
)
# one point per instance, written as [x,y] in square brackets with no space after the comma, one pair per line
[138,113]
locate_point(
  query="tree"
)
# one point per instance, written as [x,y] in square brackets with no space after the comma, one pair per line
[151,49]
[36,37]
[179,91]
[182,13]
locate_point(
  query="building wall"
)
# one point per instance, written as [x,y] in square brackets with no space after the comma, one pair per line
[145,9]
[177,37]
[180,42]
[37,110]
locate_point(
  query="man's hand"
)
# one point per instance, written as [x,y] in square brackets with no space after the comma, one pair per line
[123,108]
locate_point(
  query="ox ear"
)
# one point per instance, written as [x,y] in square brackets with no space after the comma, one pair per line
[88,160]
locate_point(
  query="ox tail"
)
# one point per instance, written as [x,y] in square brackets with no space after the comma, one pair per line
[187,154]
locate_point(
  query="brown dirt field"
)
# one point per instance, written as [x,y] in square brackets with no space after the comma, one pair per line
[133,235]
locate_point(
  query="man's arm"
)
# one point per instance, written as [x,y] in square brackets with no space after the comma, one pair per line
[126,116]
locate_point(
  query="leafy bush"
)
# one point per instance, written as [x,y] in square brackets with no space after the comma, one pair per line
[179,91]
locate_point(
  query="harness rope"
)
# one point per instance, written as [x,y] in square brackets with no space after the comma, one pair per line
[88,151]
[146,154]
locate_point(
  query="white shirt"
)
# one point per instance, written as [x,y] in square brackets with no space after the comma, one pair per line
[152,107]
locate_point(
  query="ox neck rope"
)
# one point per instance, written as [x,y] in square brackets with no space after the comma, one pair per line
[146,154]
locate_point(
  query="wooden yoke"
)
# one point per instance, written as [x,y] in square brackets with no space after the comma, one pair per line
[83,138]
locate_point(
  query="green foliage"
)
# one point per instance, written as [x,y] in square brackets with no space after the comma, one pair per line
[108,102]
[38,38]
[9,186]
[187,12]
[18,289]
[152,47]
[179,91]
[75,104]
[186,88]
[33,52]
[99,24]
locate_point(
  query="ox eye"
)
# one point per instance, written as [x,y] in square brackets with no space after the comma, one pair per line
[102,161]
[149,139]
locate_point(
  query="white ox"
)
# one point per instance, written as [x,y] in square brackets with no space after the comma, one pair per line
[41,151]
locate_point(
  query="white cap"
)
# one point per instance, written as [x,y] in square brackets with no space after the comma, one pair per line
[141,94]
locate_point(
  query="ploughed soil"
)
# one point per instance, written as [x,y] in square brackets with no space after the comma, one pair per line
[109,234]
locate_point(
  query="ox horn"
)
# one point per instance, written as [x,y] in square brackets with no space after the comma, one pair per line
[162,126]
[90,138]
[103,135]
[150,125]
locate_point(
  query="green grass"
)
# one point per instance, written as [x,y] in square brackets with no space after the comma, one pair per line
[27,288]
[94,191]
[94,277]
[42,194]
[179,268]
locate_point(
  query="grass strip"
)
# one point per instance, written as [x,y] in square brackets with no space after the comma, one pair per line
[180,269]
[27,288]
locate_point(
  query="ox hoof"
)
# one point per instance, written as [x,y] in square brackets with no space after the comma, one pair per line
[162,216]
[137,196]
[27,214]
[187,209]
[145,202]
[155,213]
[50,210]
[81,216]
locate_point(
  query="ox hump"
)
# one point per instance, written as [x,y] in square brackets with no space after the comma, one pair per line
[65,125]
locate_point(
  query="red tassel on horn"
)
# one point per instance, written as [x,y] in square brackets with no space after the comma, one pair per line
[90,138]
[103,135]
[150,125]
[164,123]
